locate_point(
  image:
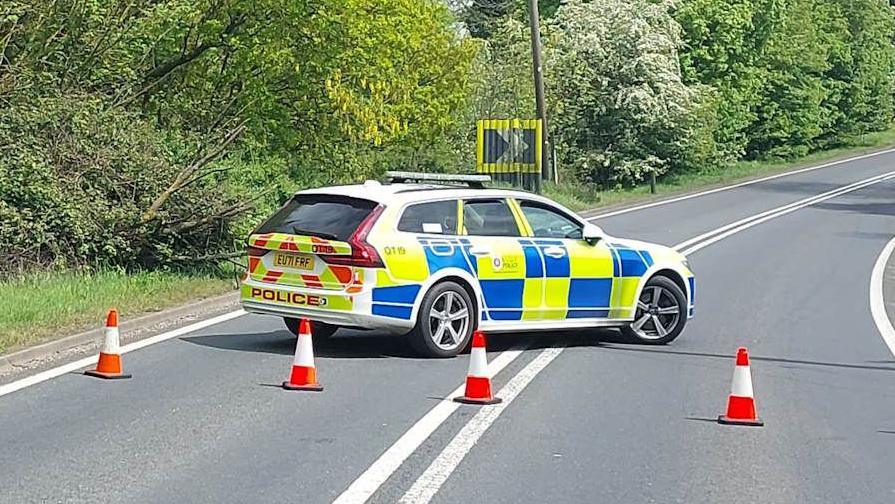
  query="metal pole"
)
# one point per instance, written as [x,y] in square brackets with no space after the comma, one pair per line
[546,168]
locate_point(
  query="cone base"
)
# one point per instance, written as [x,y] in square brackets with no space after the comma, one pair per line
[311,387]
[107,376]
[473,400]
[725,420]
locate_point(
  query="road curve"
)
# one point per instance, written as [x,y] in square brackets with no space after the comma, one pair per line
[603,422]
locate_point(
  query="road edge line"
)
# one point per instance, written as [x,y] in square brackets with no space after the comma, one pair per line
[877,303]
[88,361]
[132,329]
[734,186]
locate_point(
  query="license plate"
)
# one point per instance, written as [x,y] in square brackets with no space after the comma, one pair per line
[294,261]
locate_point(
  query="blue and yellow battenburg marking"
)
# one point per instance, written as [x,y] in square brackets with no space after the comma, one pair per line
[521,279]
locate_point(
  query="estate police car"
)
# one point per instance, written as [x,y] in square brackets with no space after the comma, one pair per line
[437,261]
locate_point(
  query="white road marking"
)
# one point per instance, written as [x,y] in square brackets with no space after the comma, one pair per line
[367,483]
[388,463]
[715,231]
[89,361]
[716,235]
[877,305]
[734,186]
[427,485]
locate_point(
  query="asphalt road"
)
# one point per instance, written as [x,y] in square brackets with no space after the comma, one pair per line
[605,421]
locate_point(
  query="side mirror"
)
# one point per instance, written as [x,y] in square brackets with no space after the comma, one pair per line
[592,233]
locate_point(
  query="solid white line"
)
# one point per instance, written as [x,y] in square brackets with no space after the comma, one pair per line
[370,481]
[367,483]
[734,186]
[427,485]
[877,304]
[798,203]
[786,209]
[89,361]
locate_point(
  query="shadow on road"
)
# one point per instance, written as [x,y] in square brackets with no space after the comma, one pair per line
[357,345]
[702,419]
[863,235]
[370,345]
[669,351]
[887,209]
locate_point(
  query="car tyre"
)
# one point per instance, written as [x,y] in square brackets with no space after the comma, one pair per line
[658,320]
[319,330]
[444,322]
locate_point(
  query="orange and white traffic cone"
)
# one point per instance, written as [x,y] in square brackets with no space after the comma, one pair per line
[304,374]
[478,383]
[741,403]
[109,364]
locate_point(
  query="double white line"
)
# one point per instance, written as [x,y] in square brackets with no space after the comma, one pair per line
[428,484]
[715,235]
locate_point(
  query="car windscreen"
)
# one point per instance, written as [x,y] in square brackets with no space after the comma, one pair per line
[323,215]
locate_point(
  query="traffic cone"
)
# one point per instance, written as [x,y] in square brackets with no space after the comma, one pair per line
[109,364]
[478,383]
[304,375]
[741,403]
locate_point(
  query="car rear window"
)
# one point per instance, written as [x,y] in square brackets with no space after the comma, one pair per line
[326,216]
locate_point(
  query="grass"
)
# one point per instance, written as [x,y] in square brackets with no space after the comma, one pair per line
[52,305]
[578,197]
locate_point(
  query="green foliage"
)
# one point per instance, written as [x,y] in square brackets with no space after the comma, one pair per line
[42,305]
[792,76]
[150,132]
[620,108]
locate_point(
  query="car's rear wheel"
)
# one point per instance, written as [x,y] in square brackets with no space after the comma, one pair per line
[661,313]
[444,322]
[319,330]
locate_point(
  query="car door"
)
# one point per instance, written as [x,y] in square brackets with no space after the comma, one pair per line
[578,276]
[494,231]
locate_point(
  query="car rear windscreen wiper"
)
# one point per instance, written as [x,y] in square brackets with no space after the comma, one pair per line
[318,234]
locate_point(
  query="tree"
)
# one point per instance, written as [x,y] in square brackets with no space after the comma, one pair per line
[620,106]
[166,119]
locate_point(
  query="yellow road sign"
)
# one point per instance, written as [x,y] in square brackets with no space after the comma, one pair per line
[508,146]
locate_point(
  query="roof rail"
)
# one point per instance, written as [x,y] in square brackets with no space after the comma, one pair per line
[475,181]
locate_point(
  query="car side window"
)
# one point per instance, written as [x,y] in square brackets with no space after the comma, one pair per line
[489,218]
[547,222]
[436,217]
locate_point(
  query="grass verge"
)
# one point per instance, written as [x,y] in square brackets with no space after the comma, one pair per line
[579,197]
[52,305]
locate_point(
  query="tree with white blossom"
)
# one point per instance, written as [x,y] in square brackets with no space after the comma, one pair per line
[620,106]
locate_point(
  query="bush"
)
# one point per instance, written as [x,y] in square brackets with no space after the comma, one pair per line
[620,109]
[77,181]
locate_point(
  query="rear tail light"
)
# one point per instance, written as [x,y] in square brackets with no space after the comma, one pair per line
[255,251]
[363,255]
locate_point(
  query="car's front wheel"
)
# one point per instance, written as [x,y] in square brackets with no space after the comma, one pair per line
[319,330]
[661,313]
[444,322]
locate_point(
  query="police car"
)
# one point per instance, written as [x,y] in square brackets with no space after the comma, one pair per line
[437,256]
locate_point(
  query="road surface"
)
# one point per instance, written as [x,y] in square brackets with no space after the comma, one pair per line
[592,419]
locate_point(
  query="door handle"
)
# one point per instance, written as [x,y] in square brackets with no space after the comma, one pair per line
[479,251]
[554,252]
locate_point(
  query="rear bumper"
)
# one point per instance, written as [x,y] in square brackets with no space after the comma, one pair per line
[336,308]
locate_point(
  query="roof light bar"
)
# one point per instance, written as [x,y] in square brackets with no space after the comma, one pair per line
[399,177]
